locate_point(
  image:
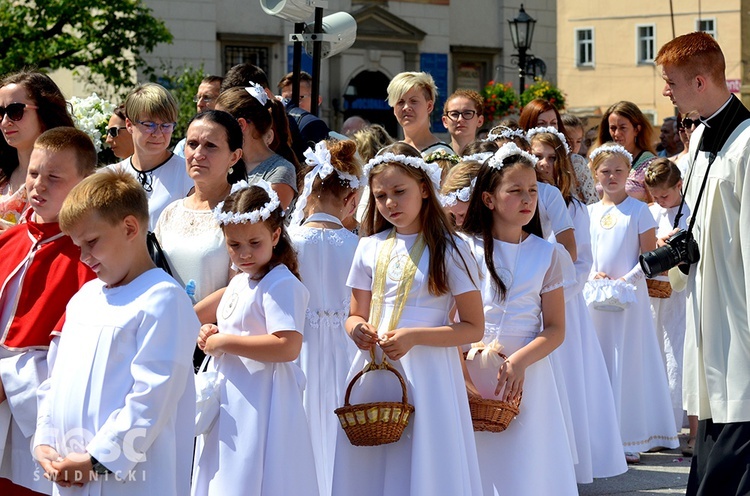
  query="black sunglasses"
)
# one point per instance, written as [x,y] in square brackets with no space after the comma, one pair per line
[688,123]
[114,131]
[14,111]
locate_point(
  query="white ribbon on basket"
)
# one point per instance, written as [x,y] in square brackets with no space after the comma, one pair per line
[488,354]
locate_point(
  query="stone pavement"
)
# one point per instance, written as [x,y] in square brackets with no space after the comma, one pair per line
[665,472]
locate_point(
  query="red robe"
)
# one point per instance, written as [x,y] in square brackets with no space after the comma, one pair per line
[51,273]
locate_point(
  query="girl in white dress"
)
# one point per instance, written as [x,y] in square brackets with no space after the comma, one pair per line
[406,276]
[582,368]
[621,229]
[664,182]
[325,250]
[261,432]
[516,291]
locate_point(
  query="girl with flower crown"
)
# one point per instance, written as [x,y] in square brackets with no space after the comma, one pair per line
[265,129]
[325,250]
[457,187]
[581,365]
[621,229]
[261,430]
[406,276]
[524,310]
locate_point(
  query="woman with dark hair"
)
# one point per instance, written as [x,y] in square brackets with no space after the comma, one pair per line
[625,124]
[30,103]
[191,238]
[118,138]
[263,122]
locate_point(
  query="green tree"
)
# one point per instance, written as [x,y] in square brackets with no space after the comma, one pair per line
[107,39]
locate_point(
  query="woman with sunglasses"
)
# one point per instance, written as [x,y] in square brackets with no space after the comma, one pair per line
[151,116]
[30,103]
[118,138]
[685,127]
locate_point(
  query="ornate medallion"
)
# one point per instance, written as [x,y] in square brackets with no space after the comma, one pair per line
[608,221]
[396,267]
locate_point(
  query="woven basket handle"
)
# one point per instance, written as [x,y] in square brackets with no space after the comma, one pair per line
[374,365]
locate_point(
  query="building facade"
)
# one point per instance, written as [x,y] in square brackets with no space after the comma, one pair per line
[606,51]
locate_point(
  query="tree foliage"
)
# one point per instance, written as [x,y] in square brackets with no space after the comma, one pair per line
[106,38]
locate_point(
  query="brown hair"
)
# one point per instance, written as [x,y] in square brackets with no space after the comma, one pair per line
[662,173]
[460,176]
[242,104]
[436,228]
[645,136]
[343,158]
[480,146]
[240,75]
[697,53]
[533,109]
[475,98]
[69,138]
[288,79]
[113,195]
[563,176]
[151,101]
[254,198]
[602,156]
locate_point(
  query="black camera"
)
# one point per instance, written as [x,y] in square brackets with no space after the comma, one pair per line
[681,247]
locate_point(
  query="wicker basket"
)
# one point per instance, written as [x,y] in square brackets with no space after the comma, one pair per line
[492,415]
[659,289]
[373,424]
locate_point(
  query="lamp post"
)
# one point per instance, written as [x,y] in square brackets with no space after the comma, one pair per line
[521,33]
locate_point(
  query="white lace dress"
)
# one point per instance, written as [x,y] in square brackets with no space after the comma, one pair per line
[194,246]
[325,257]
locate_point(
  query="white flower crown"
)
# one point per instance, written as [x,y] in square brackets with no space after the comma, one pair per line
[549,130]
[321,160]
[432,170]
[611,149]
[258,92]
[463,195]
[253,216]
[478,157]
[505,133]
[441,154]
[508,150]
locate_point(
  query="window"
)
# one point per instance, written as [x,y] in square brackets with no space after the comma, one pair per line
[258,50]
[706,25]
[234,54]
[646,40]
[585,47]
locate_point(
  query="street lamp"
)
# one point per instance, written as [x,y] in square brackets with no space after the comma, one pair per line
[522,32]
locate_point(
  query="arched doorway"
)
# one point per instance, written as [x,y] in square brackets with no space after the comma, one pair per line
[366,96]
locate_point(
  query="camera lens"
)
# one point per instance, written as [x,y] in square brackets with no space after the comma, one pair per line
[659,260]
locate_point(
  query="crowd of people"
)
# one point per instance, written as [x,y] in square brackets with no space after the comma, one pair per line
[186,320]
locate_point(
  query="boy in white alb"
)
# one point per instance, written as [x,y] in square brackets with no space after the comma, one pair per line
[116,415]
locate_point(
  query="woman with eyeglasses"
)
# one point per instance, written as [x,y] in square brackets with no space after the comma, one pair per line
[30,103]
[462,117]
[151,116]
[412,96]
[625,124]
[118,138]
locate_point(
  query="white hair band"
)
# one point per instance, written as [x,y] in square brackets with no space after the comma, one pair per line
[254,216]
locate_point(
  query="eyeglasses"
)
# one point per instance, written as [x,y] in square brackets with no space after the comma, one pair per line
[14,111]
[166,127]
[114,131]
[466,114]
[688,123]
[204,98]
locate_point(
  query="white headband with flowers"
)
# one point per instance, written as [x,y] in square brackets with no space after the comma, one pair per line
[549,130]
[478,157]
[463,195]
[508,150]
[258,92]
[505,133]
[432,170]
[611,149]
[320,159]
[253,216]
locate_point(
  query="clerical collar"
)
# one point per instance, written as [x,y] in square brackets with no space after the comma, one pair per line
[706,120]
